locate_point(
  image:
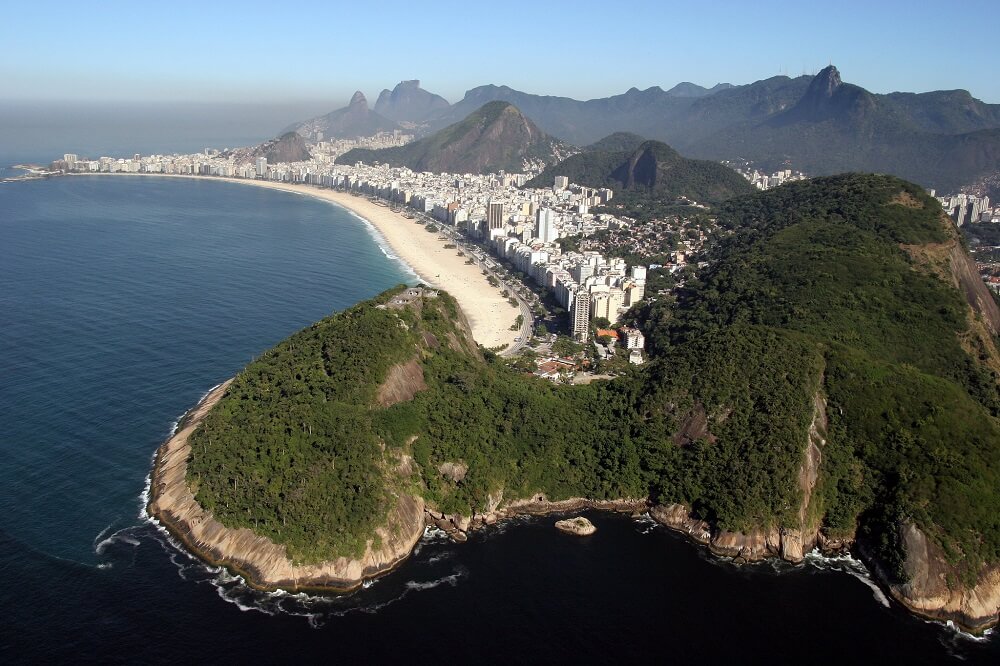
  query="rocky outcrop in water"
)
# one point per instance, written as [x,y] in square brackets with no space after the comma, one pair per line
[578,526]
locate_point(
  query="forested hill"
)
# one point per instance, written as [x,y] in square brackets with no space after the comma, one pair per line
[857,288]
[833,375]
[649,169]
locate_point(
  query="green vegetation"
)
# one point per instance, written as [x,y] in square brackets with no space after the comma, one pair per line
[817,268]
[293,450]
[811,300]
[652,173]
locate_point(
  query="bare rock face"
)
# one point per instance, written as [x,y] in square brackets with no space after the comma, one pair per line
[578,526]
[402,382]
[932,590]
[678,517]
[453,471]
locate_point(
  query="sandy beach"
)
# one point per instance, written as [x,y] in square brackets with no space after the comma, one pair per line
[488,312]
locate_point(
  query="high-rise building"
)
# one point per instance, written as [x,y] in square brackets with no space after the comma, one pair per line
[561,182]
[581,315]
[581,272]
[545,227]
[70,160]
[494,215]
[261,167]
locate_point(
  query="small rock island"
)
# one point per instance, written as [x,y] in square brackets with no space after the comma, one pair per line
[578,526]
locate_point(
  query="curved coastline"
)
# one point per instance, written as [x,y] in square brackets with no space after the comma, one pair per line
[489,313]
[263,564]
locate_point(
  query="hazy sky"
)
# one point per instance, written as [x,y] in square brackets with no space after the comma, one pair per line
[303,51]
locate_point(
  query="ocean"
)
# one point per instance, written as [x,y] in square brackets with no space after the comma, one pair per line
[123,300]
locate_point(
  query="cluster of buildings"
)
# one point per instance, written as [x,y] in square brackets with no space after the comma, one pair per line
[762,180]
[968,208]
[333,148]
[522,226]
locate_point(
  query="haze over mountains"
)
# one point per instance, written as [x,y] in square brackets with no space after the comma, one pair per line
[819,125]
[353,121]
[493,138]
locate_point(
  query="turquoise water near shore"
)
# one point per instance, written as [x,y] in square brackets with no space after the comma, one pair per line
[123,300]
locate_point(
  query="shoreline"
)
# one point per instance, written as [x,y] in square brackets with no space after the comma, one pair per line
[264,566]
[489,314]
[261,563]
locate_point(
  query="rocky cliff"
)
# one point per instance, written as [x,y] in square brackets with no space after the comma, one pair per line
[932,590]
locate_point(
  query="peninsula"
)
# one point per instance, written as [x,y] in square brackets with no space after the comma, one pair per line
[829,381]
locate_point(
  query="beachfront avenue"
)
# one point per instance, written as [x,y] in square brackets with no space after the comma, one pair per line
[522,227]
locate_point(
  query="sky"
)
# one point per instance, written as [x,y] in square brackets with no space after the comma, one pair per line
[318,53]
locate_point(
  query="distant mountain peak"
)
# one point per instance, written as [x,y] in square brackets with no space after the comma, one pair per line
[409,103]
[825,83]
[496,136]
[358,99]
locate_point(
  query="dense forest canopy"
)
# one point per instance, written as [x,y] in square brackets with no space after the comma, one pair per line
[815,313]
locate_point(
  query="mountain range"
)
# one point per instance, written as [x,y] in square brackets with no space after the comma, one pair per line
[819,124]
[495,137]
[353,121]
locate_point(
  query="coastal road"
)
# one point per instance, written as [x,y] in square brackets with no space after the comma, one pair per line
[512,285]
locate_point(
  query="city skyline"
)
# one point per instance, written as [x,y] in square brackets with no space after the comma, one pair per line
[258,53]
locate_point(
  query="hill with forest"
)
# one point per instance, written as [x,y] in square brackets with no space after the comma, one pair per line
[830,380]
[650,171]
[495,137]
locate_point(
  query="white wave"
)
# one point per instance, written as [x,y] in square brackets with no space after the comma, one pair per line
[383,244]
[452,579]
[121,536]
[100,536]
[440,557]
[104,565]
[847,563]
[962,634]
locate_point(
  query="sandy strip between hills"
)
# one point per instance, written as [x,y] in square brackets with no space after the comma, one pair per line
[489,313]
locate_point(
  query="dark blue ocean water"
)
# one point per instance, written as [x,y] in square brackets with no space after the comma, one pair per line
[123,300]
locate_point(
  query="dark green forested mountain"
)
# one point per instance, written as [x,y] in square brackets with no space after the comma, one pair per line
[857,288]
[649,170]
[940,140]
[619,141]
[495,137]
[834,371]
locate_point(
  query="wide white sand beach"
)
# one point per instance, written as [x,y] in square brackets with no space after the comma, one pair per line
[488,312]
